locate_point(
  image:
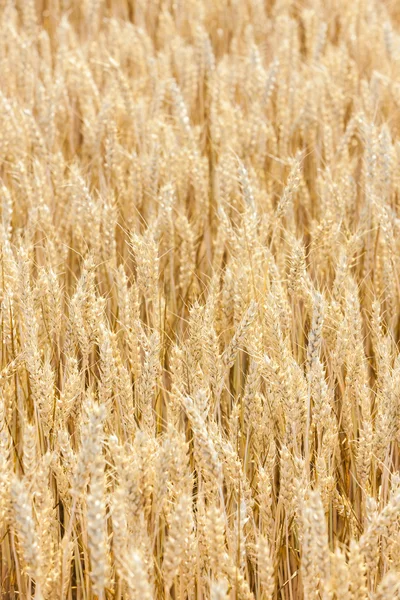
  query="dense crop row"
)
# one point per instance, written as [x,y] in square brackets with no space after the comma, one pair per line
[199,300]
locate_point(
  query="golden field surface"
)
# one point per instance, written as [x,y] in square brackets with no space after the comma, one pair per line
[199,300]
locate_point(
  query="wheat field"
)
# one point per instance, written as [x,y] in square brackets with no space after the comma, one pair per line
[199,300]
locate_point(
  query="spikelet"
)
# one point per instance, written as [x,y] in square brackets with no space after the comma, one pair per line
[145,252]
[215,538]
[339,581]
[358,588]
[205,452]
[314,336]
[315,559]
[25,528]
[148,379]
[96,525]
[138,582]
[231,351]
[179,539]
[265,567]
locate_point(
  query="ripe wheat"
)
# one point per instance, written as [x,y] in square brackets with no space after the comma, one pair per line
[199,300]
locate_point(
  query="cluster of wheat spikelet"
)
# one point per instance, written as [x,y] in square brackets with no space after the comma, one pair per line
[199,299]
